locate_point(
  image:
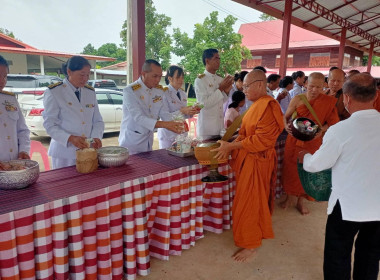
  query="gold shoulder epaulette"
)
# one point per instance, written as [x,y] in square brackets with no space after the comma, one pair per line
[136,87]
[201,75]
[165,88]
[89,87]
[55,85]
[182,89]
[160,87]
[8,93]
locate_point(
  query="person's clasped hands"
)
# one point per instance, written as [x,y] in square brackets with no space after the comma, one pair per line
[226,84]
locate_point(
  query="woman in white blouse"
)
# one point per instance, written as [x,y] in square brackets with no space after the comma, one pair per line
[176,100]
[282,96]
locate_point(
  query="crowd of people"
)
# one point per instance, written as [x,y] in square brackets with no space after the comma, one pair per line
[263,156]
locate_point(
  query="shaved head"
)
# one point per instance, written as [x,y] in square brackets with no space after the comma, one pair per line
[337,73]
[256,74]
[255,84]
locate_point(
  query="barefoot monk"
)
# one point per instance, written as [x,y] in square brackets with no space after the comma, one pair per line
[326,111]
[254,162]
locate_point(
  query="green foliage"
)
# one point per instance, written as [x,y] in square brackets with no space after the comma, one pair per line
[375,60]
[7,32]
[266,17]
[109,50]
[157,40]
[210,34]
[89,49]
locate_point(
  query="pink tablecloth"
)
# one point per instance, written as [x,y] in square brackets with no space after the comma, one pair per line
[110,227]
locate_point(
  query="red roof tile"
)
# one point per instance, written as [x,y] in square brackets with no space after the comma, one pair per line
[268,35]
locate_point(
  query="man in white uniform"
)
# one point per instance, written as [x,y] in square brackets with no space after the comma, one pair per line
[143,106]
[14,134]
[351,149]
[211,91]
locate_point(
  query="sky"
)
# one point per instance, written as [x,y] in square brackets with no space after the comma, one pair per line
[69,25]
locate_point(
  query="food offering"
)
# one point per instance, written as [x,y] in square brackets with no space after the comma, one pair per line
[180,118]
[87,160]
[198,106]
[183,146]
[304,129]
[18,174]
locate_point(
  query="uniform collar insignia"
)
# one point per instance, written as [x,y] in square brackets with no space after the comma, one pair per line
[136,87]
[10,107]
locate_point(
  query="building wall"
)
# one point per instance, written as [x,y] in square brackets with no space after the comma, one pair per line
[305,57]
[18,62]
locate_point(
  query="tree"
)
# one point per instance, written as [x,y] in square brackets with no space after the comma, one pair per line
[7,32]
[157,40]
[109,50]
[375,60]
[89,49]
[210,34]
[266,17]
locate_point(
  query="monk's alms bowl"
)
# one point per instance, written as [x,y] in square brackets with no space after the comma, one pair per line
[303,129]
[204,155]
[18,179]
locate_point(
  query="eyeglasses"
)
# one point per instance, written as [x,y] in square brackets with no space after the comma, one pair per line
[247,86]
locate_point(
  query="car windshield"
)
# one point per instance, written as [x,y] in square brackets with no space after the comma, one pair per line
[21,82]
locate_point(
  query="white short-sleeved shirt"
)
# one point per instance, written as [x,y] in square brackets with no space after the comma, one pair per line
[351,149]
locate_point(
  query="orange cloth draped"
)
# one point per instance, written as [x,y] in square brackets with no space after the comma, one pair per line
[255,169]
[324,107]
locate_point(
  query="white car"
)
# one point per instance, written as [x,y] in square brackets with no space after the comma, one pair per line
[29,87]
[110,106]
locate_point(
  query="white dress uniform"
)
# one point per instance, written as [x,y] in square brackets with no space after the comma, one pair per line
[14,134]
[142,107]
[211,117]
[65,115]
[174,104]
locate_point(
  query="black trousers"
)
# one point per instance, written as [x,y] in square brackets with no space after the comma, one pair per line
[339,240]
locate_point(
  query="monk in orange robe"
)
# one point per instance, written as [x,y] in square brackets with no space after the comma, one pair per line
[254,162]
[325,109]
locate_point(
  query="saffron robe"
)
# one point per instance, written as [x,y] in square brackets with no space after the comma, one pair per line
[325,109]
[255,170]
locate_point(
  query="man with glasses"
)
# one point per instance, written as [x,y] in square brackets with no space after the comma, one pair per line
[211,91]
[254,163]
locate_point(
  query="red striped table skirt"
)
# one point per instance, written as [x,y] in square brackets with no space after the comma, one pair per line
[110,233]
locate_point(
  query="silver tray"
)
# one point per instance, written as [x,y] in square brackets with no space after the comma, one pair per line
[189,154]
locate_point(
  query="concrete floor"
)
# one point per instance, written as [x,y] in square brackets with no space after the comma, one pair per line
[295,253]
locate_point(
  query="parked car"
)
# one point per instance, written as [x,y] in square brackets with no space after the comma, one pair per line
[106,84]
[29,87]
[110,106]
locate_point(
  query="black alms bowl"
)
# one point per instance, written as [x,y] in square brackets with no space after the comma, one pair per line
[300,133]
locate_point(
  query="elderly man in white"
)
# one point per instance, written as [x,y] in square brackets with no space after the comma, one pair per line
[351,149]
[143,106]
[211,90]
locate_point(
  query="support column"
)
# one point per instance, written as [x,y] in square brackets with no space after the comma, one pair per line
[341,47]
[285,37]
[138,36]
[370,55]
[129,66]
[95,71]
[42,65]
